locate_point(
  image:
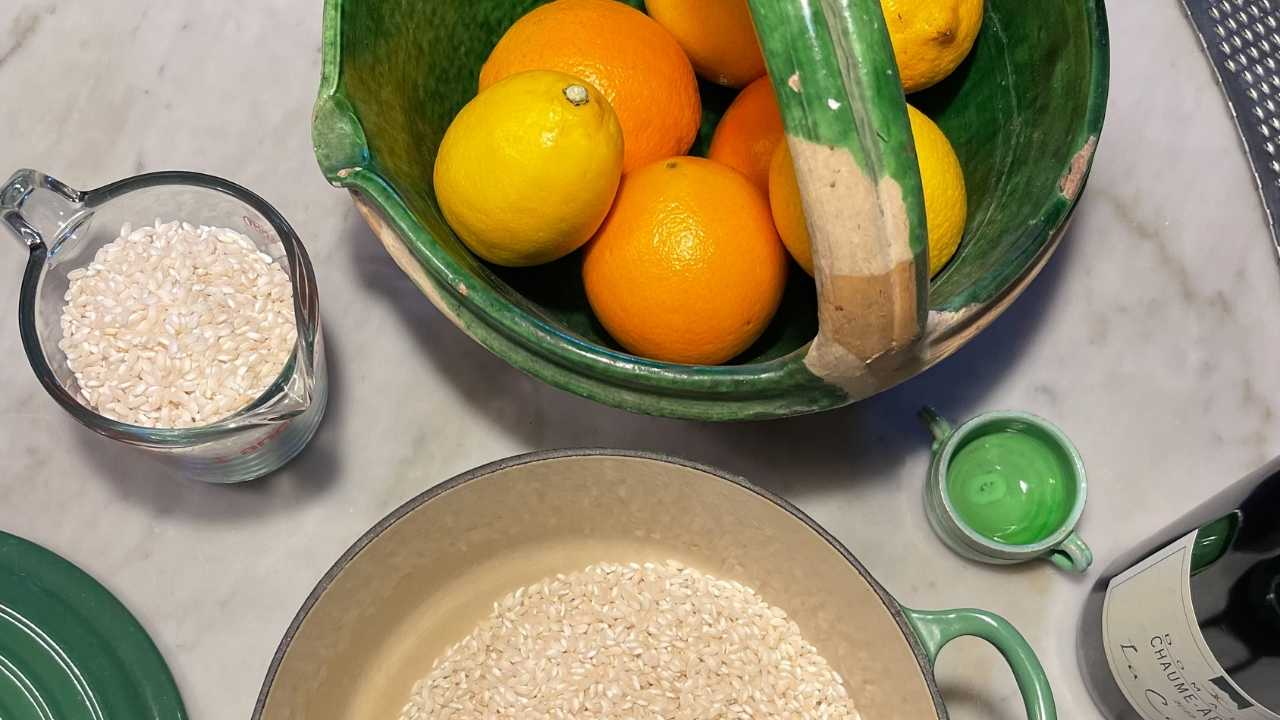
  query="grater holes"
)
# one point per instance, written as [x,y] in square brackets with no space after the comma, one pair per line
[1265,131]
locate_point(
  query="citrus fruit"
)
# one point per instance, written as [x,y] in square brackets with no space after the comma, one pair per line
[945,203]
[717,35]
[627,55]
[527,170]
[787,208]
[687,266]
[748,133]
[930,37]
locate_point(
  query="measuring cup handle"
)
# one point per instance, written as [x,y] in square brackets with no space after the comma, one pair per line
[40,219]
[937,425]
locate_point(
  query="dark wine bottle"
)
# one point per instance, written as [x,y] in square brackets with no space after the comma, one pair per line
[1187,625]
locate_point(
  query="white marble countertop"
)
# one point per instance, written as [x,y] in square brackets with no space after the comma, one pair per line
[1150,338]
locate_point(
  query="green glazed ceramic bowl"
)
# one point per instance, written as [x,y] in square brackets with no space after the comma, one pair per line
[1024,113]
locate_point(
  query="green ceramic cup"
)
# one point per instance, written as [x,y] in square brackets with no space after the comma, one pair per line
[1006,487]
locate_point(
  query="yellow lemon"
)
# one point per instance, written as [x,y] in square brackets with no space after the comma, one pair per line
[930,37]
[945,202]
[528,169]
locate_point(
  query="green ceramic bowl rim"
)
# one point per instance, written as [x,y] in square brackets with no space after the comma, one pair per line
[909,628]
[760,390]
[938,475]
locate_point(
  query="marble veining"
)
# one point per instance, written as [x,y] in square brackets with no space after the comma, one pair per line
[1150,338]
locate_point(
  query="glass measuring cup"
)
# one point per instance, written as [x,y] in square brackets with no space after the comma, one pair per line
[63,228]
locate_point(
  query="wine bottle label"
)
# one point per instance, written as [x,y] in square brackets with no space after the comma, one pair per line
[1156,651]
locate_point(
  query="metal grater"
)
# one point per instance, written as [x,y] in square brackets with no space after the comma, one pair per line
[1242,38]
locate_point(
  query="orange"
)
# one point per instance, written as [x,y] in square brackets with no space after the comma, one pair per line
[788,209]
[687,267]
[717,34]
[630,58]
[748,133]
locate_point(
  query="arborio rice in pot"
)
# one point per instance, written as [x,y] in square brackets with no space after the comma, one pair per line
[632,641]
[176,325]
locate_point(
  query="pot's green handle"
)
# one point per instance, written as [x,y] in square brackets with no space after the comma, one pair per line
[936,628]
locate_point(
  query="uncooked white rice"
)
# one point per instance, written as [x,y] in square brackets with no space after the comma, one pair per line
[653,641]
[176,325]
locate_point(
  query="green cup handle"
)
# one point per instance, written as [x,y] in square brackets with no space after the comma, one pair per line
[938,425]
[936,628]
[1072,554]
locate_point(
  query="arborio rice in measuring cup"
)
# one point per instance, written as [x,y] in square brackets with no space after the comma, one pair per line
[660,641]
[175,325]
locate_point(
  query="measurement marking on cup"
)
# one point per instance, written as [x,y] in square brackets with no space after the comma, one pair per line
[250,222]
[275,432]
[256,445]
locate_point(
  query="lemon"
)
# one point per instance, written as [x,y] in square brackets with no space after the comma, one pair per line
[945,203]
[528,169]
[930,37]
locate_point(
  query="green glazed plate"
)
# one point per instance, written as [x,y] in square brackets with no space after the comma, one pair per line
[69,649]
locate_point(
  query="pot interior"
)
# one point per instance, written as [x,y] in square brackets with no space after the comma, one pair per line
[435,568]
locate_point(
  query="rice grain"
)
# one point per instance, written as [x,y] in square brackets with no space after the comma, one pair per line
[176,325]
[653,641]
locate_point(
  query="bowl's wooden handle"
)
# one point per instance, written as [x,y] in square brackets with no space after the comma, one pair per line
[833,71]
